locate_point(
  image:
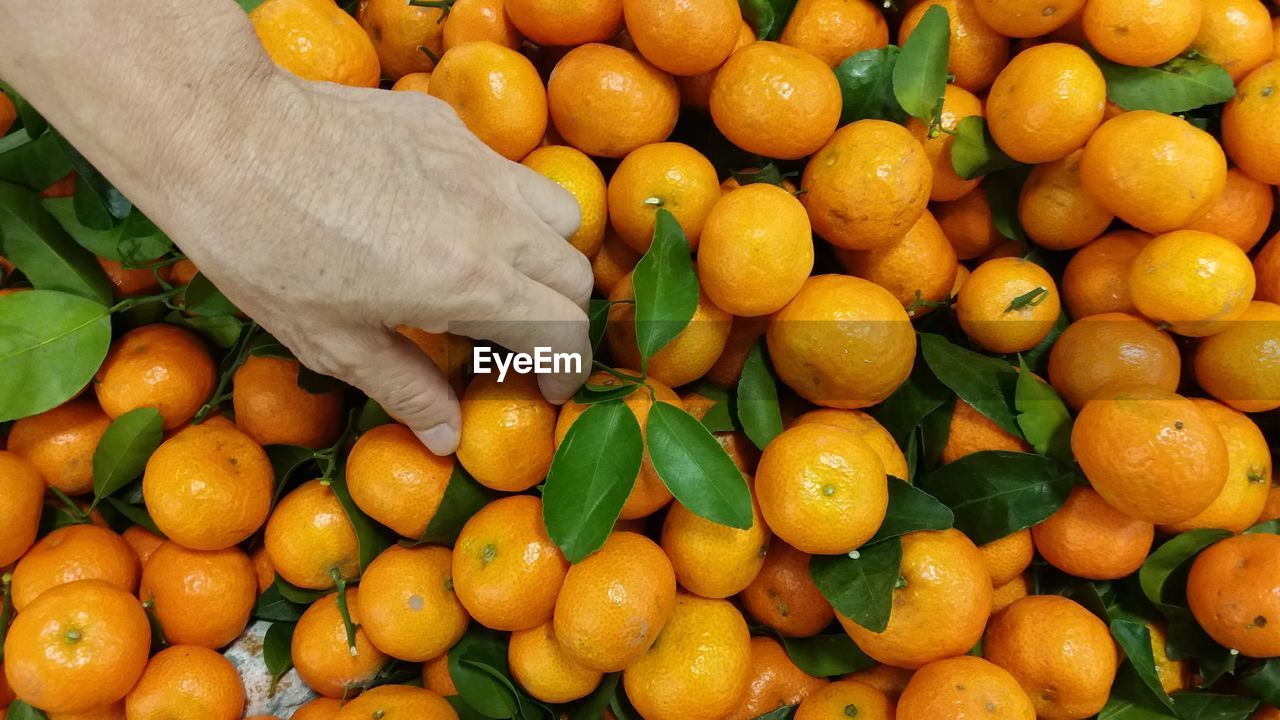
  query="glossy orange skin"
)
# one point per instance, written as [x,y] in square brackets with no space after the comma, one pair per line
[8,113]
[1236,34]
[775,681]
[689,539]
[683,38]
[544,670]
[508,432]
[964,687]
[23,490]
[971,431]
[833,30]
[201,598]
[186,682]
[1027,20]
[784,597]
[1234,593]
[409,605]
[572,170]
[471,20]
[614,261]
[1141,32]
[1054,208]
[1247,132]
[835,700]
[606,101]
[967,224]
[671,176]
[1242,213]
[984,304]
[60,443]
[864,426]
[1196,282]
[687,357]
[1046,102]
[498,94]
[397,31]
[1008,557]
[273,410]
[396,480]
[321,708]
[309,535]
[552,22]
[160,366]
[316,40]
[977,52]
[921,265]
[1096,279]
[1112,347]
[957,104]
[398,702]
[132,280]
[695,90]
[321,654]
[1244,497]
[1238,365]
[71,553]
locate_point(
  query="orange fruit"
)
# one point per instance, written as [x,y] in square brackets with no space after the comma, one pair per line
[1237,365]
[940,604]
[833,30]
[273,410]
[183,272]
[964,687]
[472,20]
[699,666]
[649,494]
[1089,538]
[665,175]
[396,480]
[508,432]
[1235,34]
[1098,350]
[689,540]
[775,681]
[1154,171]
[614,261]
[756,250]
[321,653]
[23,490]
[1234,594]
[695,90]
[408,607]
[775,100]
[1267,712]
[865,427]
[71,553]
[200,598]
[577,173]
[1141,32]
[209,486]
[1061,654]
[1046,102]
[887,679]
[400,31]
[506,571]
[821,488]
[79,646]
[918,267]
[1007,557]
[1005,595]
[543,668]
[450,353]
[187,682]
[316,40]
[131,280]
[548,22]
[60,443]
[1194,281]
[977,52]
[1243,498]
[842,342]
[614,603]
[687,357]
[1174,674]
[1241,213]
[263,570]
[159,366]
[321,708]
[962,275]
[683,38]
[309,535]
[970,431]
[957,104]
[397,702]
[742,337]
[845,699]
[867,186]
[1149,452]
[498,94]
[606,101]
[115,711]
[1008,305]
[967,224]
[1027,20]
[1054,209]
[1096,279]
[8,113]
[414,82]
[436,678]
[783,596]
[1271,511]
[1246,134]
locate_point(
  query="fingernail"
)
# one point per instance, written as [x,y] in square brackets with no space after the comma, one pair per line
[441,439]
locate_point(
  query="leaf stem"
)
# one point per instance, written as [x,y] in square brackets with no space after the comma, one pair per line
[341,583]
[237,357]
[78,515]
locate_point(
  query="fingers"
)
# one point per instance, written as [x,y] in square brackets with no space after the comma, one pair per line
[558,265]
[554,205]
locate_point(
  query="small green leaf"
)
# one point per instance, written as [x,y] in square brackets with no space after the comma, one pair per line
[720,417]
[1004,188]
[1135,638]
[134,240]
[1271,527]
[974,152]
[51,344]
[220,330]
[285,461]
[134,512]
[478,664]
[758,409]
[372,537]
[1179,85]
[249,5]
[666,287]
[695,467]
[1265,682]
[277,651]
[1043,417]
[860,585]
[592,707]
[904,411]
[911,509]
[202,298]
[34,164]
[995,493]
[19,710]
[1163,574]
[316,384]
[97,201]
[934,431]
[463,497]
[295,594]
[920,75]
[827,655]
[1213,706]
[273,606]
[591,475]
[598,316]
[34,242]
[984,382]
[371,416]
[768,173]
[866,86]
[124,449]
[782,713]
[1027,299]
[1131,699]
[590,393]
[768,17]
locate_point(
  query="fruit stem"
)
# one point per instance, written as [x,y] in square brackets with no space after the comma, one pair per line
[78,516]
[244,346]
[347,623]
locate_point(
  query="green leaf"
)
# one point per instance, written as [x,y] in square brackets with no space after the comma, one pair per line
[277,650]
[295,594]
[758,409]
[19,710]
[273,606]
[134,240]
[124,449]
[134,513]
[1042,348]
[719,418]
[34,164]
[920,75]
[34,242]
[1270,527]
[913,401]
[1163,574]
[983,382]
[1265,682]
[202,298]
[1043,417]
[98,202]
[285,461]
[51,344]
[316,384]
[861,587]
[1179,85]
[768,17]
[666,287]
[474,662]
[372,537]
[866,86]
[591,475]
[1004,188]
[371,416]
[827,655]
[590,393]
[592,707]
[695,467]
[598,316]
[1135,638]
[911,509]
[768,173]
[1131,699]
[782,713]
[249,5]
[974,152]
[934,431]
[220,330]
[995,493]
[463,497]
[1211,706]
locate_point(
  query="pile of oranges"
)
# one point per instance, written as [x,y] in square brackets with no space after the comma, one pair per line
[1091,297]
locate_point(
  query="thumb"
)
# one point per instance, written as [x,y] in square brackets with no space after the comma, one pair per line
[554,205]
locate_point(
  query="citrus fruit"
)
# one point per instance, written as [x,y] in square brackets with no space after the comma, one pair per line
[159,366]
[686,357]
[1008,305]
[436,678]
[263,570]
[1174,675]
[833,30]
[577,173]
[1089,538]
[1232,591]
[1045,103]
[548,22]
[1238,365]
[664,175]
[60,443]
[324,657]
[957,104]
[200,597]
[1006,558]
[543,668]
[187,682]
[497,93]
[471,20]
[396,480]
[71,553]
[1107,348]
[1005,595]
[1243,498]
[1096,279]
[612,262]
[695,90]
[1241,213]
[1054,209]
[397,702]
[400,31]
[1194,281]
[846,699]
[1027,20]
[1246,134]
[23,490]
[272,409]
[508,432]
[919,268]
[606,101]
[775,681]
[407,603]
[132,279]
[321,708]
[309,538]
[976,53]
[1236,34]
[8,113]
[967,224]
[689,540]
[865,427]
[683,38]
[964,687]
[1141,32]
[316,40]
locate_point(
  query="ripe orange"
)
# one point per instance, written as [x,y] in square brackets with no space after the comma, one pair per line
[60,443]
[436,678]
[774,681]
[1046,103]
[977,52]
[498,94]
[1054,209]
[695,90]
[399,32]
[408,607]
[1243,498]
[159,366]
[887,679]
[666,175]
[398,702]
[1008,305]
[1271,511]
[450,353]
[396,480]
[8,113]
[1233,593]
[783,596]
[1027,20]
[689,540]
[23,490]
[316,40]
[1236,34]
[549,22]
[183,272]
[614,603]
[615,260]
[967,224]
[686,357]
[200,598]
[867,186]
[321,653]
[957,104]
[1141,32]
[273,410]
[971,431]
[321,708]
[472,20]
[128,281]
[114,711]
[683,38]
[1246,132]
[775,100]
[699,666]
[79,646]
[1237,365]
[832,30]
[508,432]
[1005,595]
[940,605]
[543,668]
[309,535]
[1096,279]
[209,486]
[263,570]
[1241,214]
[606,101]
[1154,171]
[71,553]
[920,266]
[1007,557]
[416,82]
[1098,350]
[1089,538]
[187,682]
[865,427]
[1149,452]
[964,687]
[842,342]
[1194,281]
[577,173]
[844,699]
